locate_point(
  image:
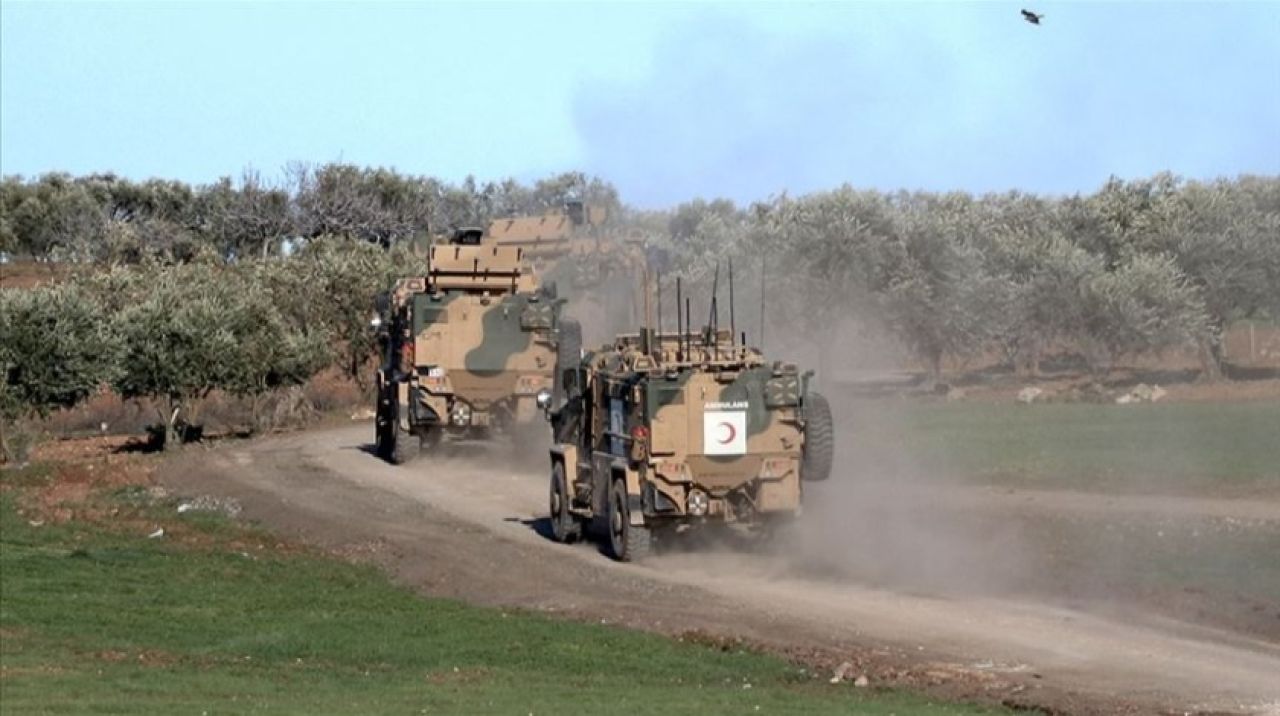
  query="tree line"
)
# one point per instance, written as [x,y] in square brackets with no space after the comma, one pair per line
[1138,267]
[174,333]
[246,289]
[110,219]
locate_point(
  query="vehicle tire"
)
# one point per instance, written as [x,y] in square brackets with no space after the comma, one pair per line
[401,445]
[404,448]
[627,542]
[390,440]
[565,527]
[819,439]
[568,355]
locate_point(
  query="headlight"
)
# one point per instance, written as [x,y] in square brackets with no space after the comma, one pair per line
[435,372]
[543,399]
[697,503]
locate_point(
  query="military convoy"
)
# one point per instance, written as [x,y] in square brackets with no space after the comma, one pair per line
[662,433]
[469,349]
[653,435]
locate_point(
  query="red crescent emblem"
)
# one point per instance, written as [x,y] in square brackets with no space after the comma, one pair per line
[733,433]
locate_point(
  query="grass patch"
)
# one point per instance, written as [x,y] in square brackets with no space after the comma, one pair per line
[1161,447]
[33,474]
[93,620]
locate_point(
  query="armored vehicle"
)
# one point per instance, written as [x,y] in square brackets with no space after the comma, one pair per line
[469,349]
[580,247]
[663,433]
[578,231]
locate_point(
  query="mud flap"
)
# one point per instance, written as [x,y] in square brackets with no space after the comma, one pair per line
[567,455]
[402,411]
[656,501]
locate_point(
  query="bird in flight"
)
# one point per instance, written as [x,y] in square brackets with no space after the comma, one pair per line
[1031,17]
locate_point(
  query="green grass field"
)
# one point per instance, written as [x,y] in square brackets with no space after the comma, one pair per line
[1161,447]
[96,621]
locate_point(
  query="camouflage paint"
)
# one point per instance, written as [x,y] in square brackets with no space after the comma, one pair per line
[479,317]
[670,398]
[749,387]
[502,336]
[429,310]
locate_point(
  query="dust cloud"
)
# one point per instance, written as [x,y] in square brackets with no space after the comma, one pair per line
[901,513]
[885,520]
[886,517]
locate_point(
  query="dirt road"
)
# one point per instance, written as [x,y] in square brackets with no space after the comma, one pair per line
[471,527]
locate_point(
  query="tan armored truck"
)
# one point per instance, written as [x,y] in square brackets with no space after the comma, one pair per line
[469,349]
[666,433]
[579,247]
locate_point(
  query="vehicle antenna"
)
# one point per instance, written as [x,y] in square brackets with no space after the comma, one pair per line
[659,282]
[762,271]
[679,322]
[647,343]
[714,318]
[688,319]
[733,325]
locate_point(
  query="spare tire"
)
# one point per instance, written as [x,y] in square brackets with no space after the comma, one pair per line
[819,439]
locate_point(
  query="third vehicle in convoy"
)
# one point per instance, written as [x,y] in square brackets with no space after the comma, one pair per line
[583,250]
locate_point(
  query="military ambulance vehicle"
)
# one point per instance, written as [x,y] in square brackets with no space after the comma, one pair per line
[470,349]
[666,433]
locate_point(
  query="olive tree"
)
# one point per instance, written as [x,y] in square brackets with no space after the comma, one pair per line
[375,205]
[271,351]
[192,329]
[52,217]
[245,219]
[56,349]
[940,299]
[330,285]
[1230,251]
[1145,306]
[825,258]
[177,344]
[1049,280]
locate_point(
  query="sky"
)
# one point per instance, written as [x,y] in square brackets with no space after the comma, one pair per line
[669,101]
